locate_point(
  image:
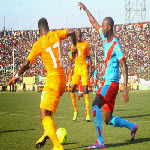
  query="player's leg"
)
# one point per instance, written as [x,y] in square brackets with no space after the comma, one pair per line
[86,94]
[89,84]
[98,102]
[70,78]
[108,109]
[84,79]
[49,102]
[75,82]
[68,87]
[73,96]
[62,90]
[41,142]
[97,118]
[49,127]
[49,130]
[119,122]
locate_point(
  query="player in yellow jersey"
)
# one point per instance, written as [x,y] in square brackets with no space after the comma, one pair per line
[48,47]
[80,72]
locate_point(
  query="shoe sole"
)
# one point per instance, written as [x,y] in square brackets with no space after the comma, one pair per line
[42,143]
[90,147]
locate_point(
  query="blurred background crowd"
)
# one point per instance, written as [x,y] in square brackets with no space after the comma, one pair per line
[133,38]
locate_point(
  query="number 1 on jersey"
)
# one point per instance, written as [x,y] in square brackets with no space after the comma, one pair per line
[52,55]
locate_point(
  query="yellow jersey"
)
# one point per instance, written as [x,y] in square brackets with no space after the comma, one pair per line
[48,47]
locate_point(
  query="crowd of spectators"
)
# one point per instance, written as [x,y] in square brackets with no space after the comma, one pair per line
[133,38]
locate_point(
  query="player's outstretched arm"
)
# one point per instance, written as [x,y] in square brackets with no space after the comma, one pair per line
[125,74]
[91,18]
[23,68]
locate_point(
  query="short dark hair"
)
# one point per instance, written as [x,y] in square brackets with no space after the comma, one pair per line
[42,23]
[110,22]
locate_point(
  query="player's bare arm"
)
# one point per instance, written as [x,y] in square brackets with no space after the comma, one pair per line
[125,74]
[91,18]
[23,68]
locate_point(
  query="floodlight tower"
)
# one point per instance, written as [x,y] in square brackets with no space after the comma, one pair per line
[135,11]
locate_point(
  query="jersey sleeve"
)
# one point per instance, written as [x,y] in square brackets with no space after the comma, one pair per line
[62,34]
[119,52]
[88,51]
[101,34]
[34,52]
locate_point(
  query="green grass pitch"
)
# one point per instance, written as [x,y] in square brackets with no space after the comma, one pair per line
[20,125]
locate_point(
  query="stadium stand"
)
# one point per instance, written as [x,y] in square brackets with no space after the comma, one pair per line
[133,38]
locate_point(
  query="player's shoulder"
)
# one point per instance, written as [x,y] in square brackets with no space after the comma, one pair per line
[51,33]
[53,36]
[115,39]
[38,42]
[61,31]
[57,33]
[84,43]
[117,44]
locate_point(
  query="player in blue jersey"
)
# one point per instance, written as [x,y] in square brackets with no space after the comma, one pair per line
[95,73]
[108,91]
[88,67]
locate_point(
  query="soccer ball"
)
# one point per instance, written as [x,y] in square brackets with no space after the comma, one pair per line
[62,135]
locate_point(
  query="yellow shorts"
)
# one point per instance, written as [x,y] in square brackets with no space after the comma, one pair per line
[80,73]
[53,90]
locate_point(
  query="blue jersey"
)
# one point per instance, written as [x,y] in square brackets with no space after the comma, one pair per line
[112,55]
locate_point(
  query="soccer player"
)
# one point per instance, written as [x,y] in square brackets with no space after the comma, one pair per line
[80,72]
[108,91]
[88,67]
[95,73]
[48,47]
[69,79]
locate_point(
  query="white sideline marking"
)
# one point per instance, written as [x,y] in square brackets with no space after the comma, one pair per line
[1,113]
[125,105]
[141,121]
[18,115]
